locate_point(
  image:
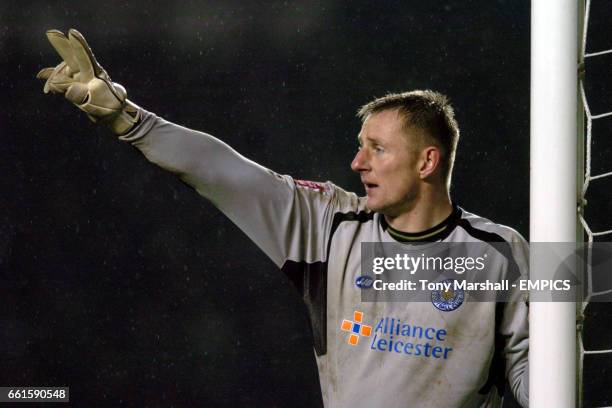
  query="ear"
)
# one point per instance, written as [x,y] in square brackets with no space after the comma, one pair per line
[429,161]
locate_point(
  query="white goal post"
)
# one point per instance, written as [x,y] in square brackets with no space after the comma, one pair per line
[554,190]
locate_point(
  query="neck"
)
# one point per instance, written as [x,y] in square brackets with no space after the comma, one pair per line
[425,212]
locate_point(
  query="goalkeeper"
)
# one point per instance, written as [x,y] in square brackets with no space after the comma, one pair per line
[453,353]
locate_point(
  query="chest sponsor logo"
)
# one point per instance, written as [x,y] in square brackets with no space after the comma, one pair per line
[356,328]
[449,298]
[364,282]
[391,335]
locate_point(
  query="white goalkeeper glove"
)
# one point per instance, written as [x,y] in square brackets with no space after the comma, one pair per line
[86,84]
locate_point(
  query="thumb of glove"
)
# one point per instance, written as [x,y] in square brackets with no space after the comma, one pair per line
[77,93]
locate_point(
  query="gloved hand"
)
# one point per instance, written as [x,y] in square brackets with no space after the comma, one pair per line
[86,84]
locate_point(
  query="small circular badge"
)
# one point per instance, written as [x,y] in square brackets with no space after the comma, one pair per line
[364,282]
[448,300]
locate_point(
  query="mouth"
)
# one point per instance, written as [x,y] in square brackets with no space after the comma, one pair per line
[370,186]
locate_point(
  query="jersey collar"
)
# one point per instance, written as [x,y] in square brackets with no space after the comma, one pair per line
[436,233]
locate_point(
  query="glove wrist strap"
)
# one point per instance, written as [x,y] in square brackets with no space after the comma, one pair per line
[126,119]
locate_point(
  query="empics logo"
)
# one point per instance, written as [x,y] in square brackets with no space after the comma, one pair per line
[356,328]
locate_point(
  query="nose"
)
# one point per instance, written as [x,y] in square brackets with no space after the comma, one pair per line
[360,162]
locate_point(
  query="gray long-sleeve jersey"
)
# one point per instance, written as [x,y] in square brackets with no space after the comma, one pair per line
[369,354]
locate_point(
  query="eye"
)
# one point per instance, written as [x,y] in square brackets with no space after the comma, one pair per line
[378,149]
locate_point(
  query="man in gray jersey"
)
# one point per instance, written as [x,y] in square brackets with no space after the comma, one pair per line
[388,354]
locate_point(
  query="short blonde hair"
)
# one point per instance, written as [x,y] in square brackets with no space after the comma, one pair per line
[428,111]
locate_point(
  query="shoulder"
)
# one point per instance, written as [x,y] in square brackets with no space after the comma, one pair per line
[484,229]
[513,245]
[339,199]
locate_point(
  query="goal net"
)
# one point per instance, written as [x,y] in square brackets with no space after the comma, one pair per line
[594,340]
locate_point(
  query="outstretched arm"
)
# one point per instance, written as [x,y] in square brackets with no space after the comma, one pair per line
[288,221]
[285,219]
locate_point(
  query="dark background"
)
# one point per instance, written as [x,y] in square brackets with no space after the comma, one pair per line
[121,282]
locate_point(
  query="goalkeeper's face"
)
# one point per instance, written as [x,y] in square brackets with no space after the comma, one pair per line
[388,163]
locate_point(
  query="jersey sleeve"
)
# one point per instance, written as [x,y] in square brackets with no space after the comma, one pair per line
[515,326]
[287,219]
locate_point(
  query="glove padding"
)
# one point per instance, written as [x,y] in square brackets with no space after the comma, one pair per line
[86,84]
